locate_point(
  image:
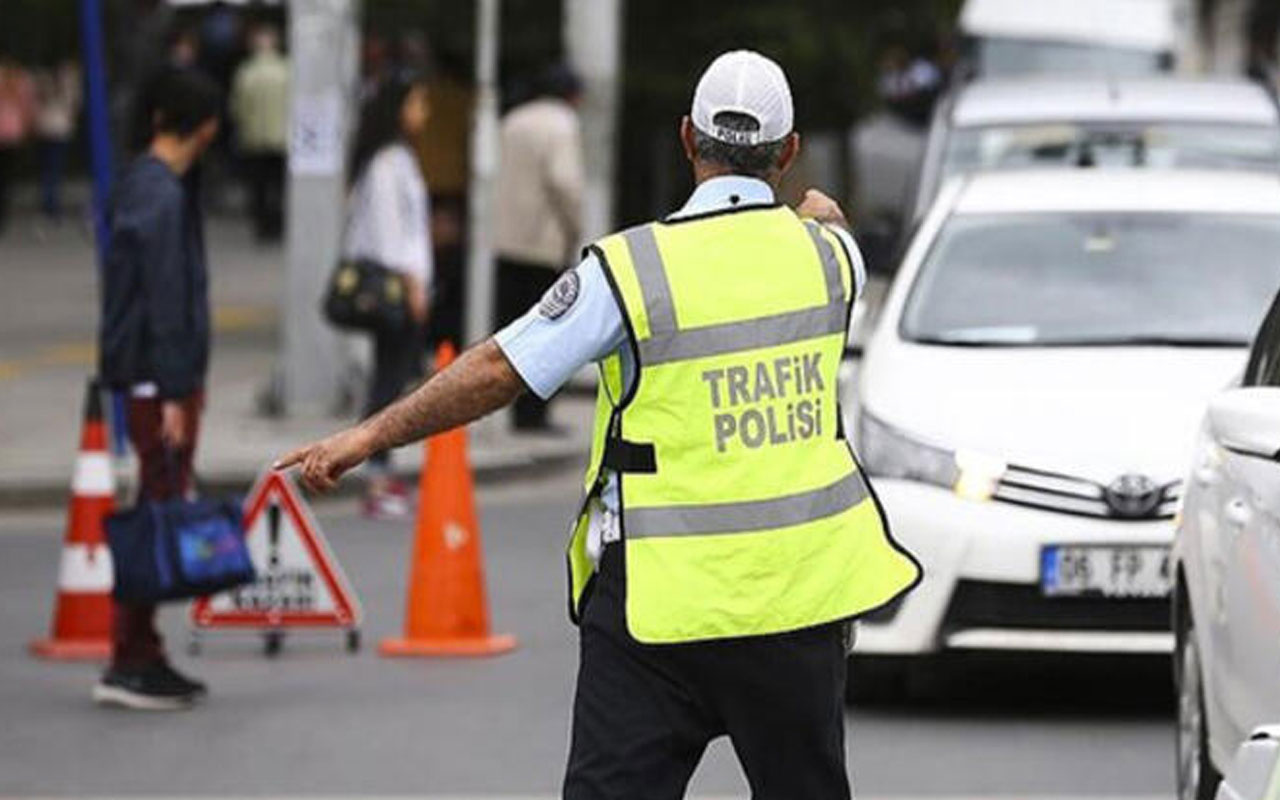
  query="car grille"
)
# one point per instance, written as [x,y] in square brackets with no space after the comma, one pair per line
[983,604]
[1071,495]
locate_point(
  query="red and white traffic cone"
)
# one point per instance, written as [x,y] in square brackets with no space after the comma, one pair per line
[82,618]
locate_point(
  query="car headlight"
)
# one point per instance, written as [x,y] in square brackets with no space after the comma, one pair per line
[888,452]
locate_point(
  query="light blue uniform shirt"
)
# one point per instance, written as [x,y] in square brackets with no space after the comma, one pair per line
[546,351]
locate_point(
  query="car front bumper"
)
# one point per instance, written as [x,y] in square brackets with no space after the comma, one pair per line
[981,588]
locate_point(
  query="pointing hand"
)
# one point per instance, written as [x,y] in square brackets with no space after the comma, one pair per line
[324,462]
[818,206]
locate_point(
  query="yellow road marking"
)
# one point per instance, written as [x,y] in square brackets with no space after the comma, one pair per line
[228,319]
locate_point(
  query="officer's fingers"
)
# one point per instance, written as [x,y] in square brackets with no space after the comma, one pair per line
[327,472]
[304,477]
[816,197]
[319,476]
[325,484]
[311,469]
[292,458]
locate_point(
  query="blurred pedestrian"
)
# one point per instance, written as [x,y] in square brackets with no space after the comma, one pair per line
[17,110]
[1261,63]
[388,223]
[413,56]
[375,64]
[260,110]
[727,537]
[221,39]
[446,163]
[154,345]
[539,189]
[909,82]
[182,52]
[58,97]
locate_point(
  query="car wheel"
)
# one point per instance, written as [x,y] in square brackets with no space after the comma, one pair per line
[1197,778]
[876,679]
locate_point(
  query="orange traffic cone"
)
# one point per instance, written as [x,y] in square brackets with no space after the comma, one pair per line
[82,618]
[447,614]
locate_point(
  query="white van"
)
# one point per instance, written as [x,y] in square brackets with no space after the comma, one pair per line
[1109,37]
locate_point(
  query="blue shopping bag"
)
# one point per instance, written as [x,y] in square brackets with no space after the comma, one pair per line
[178,549]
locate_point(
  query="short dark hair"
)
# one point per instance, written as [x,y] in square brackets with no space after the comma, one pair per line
[559,80]
[184,100]
[756,160]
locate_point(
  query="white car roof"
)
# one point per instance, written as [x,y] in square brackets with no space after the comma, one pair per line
[1136,24]
[1029,100]
[1138,190]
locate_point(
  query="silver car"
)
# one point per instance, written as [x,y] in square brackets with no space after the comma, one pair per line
[1094,122]
[1226,556]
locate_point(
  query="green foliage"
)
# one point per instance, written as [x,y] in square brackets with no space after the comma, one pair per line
[35,31]
[827,47]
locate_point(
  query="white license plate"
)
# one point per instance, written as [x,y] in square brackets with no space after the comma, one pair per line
[1105,570]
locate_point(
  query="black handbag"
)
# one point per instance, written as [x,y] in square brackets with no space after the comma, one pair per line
[365,296]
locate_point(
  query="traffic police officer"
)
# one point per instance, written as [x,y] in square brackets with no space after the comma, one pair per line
[726,536]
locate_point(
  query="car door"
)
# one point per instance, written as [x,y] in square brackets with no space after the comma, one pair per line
[1250,521]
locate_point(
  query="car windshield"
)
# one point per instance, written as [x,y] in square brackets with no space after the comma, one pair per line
[1096,279]
[1000,56]
[1187,145]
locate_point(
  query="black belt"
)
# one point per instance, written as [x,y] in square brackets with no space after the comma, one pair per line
[621,455]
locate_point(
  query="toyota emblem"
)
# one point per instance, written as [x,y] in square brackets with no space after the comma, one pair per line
[1133,496]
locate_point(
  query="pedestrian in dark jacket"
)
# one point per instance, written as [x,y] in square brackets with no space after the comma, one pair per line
[154,347]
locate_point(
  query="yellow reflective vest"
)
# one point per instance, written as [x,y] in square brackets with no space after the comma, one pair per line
[743,510]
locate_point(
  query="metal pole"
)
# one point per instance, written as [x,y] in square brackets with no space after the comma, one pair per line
[95,79]
[99,135]
[593,35]
[324,41]
[484,167]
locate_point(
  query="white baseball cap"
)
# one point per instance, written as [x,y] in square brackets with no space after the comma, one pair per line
[743,82]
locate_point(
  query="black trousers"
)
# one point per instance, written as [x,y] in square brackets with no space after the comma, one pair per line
[8,155]
[397,362]
[644,714]
[264,173]
[519,287]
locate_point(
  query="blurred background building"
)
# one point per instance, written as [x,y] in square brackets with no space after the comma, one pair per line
[848,60]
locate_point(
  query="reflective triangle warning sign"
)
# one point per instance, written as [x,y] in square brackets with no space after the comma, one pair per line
[300,583]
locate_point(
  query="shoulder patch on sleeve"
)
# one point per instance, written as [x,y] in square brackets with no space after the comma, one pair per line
[561,296]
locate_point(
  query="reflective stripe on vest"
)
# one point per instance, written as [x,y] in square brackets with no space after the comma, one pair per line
[666,344]
[754,515]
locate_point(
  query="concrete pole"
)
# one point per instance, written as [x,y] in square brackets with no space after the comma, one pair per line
[484,168]
[323,44]
[593,39]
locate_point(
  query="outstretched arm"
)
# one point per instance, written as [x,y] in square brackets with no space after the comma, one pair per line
[479,382]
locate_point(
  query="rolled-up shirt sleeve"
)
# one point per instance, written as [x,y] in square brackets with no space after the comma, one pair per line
[578,322]
[855,258]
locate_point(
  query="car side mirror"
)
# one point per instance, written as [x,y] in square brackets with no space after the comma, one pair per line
[1247,420]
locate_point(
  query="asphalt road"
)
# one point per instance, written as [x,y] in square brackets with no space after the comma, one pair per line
[319,721]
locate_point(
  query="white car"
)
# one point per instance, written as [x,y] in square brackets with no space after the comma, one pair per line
[1158,122]
[1227,577]
[1254,773]
[1101,37]
[1029,398]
